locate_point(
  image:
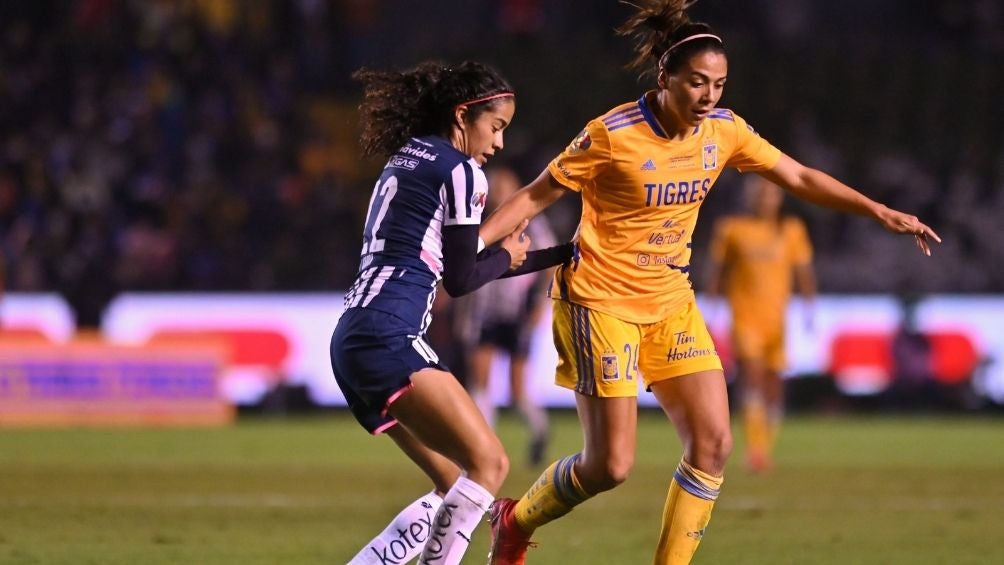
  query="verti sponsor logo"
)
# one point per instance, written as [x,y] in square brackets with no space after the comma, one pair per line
[665,238]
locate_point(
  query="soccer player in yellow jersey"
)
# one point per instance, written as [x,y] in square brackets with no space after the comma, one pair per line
[623,307]
[753,260]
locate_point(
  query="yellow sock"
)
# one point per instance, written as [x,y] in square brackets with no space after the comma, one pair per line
[692,495]
[552,496]
[757,427]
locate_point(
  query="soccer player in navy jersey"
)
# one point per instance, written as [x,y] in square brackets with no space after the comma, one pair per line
[438,125]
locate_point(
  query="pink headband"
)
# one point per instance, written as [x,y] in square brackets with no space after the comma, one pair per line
[686,39]
[487,98]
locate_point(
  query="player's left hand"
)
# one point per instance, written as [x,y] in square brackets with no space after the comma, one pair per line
[898,222]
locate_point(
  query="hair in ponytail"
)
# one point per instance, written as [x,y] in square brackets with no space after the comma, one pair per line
[664,34]
[399,105]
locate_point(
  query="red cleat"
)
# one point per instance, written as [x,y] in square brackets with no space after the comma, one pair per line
[509,542]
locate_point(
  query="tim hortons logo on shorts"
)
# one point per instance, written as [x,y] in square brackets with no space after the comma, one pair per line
[408,539]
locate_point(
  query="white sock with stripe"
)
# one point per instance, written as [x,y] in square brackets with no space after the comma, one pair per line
[463,508]
[402,540]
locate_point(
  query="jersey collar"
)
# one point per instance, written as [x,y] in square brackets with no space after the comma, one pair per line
[649,115]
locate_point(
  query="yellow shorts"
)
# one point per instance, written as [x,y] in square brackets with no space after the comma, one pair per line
[751,341]
[600,355]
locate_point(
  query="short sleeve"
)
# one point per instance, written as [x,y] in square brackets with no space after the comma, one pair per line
[752,153]
[465,191]
[584,158]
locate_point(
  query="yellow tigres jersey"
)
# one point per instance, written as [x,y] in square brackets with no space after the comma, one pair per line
[641,193]
[760,256]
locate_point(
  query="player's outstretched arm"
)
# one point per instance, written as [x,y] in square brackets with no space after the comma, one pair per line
[820,188]
[526,203]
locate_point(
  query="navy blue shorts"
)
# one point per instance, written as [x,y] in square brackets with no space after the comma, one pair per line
[373,355]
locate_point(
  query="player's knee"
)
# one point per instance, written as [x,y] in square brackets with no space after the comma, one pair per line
[711,450]
[607,474]
[491,466]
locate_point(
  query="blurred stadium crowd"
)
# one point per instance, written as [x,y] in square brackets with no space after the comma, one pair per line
[211,144]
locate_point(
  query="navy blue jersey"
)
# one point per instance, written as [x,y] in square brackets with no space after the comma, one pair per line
[426,185]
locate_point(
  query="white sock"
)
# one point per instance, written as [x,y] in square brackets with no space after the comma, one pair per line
[402,540]
[463,508]
[482,397]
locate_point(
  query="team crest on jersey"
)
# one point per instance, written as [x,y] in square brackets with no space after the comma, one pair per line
[610,363]
[580,143]
[710,158]
[478,200]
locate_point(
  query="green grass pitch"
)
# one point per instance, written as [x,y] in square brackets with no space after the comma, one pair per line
[845,490]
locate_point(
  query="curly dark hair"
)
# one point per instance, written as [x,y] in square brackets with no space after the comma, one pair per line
[420,101]
[658,25]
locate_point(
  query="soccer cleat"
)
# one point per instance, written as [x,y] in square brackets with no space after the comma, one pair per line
[509,542]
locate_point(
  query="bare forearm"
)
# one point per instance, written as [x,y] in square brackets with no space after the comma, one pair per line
[806,281]
[820,188]
[526,203]
[712,286]
[505,219]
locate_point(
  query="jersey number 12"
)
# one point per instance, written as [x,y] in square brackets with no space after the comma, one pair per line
[374,216]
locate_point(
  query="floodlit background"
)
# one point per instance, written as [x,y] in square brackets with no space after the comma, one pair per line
[181,206]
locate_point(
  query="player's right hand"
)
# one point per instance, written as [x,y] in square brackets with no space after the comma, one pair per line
[516,244]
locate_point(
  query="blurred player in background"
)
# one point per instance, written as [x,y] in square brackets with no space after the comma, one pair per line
[753,259]
[3,274]
[504,315]
[625,310]
[437,125]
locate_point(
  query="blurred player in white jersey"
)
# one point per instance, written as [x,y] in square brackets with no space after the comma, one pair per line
[504,314]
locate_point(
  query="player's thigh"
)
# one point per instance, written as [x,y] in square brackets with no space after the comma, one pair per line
[698,406]
[438,411]
[597,353]
[748,341]
[775,356]
[610,429]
